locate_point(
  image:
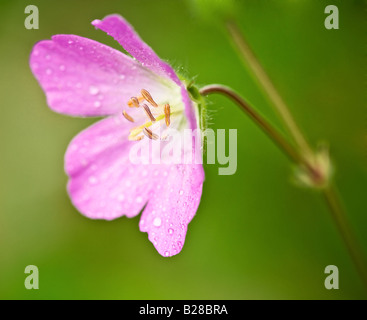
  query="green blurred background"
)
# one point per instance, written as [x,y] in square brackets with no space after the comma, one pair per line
[255,235]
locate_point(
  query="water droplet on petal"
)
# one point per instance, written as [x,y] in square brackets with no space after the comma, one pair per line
[166,254]
[170,231]
[181,192]
[92,180]
[139,199]
[157,222]
[93,90]
[97,104]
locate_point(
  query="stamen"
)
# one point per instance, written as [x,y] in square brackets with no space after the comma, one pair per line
[150,134]
[135,103]
[167,113]
[149,113]
[138,138]
[146,95]
[127,117]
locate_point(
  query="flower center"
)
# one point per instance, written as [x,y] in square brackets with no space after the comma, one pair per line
[154,112]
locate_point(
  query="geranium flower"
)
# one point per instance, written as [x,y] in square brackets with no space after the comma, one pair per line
[142,97]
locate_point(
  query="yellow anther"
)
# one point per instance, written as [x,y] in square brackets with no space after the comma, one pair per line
[150,134]
[149,113]
[167,114]
[146,95]
[127,117]
[134,102]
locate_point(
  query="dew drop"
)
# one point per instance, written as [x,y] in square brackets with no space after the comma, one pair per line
[166,254]
[170,231]
[139,199]
[97,104]
[181,192]
[157,222]
[93,90]
[92,180]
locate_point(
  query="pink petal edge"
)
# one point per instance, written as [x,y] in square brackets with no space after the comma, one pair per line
[117,27]
[103,183]
[82,77]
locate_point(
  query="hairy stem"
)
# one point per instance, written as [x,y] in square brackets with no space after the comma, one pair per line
[269,129]
[329,192]
[339,216]
[267,86]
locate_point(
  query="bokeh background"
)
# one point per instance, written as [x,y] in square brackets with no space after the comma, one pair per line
[256,235]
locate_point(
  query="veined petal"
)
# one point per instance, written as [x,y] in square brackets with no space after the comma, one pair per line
[82,77]
[117,27]
[103,183]
[172,205]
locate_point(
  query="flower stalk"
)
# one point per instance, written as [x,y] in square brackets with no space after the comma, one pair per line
[316,174]
[268,88]
[301,154]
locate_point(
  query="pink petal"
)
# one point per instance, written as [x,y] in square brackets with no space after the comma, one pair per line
[117,27]
[103,183]
[172,205]
[82,77]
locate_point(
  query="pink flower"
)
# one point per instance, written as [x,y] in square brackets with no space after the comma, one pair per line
[82,77]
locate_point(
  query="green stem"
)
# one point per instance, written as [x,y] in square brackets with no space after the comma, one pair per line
[268,128]
[268,88]
[339,216]
[315,173]
[304,150]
